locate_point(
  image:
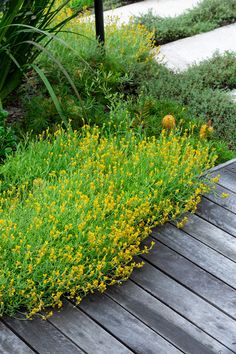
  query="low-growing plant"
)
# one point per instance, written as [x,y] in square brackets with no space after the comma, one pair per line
[206,16]
[219,72]
[202,90]
[89,201]
[7,136]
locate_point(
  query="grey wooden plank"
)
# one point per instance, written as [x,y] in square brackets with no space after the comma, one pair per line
[10,343]
[231,167]
[92,338]
[217,215]
[212,236]
[135,334]
[198,253]
[179,331]
[228,203]
[194,278]
[222,165]
[186,303]
[227,178]
[42,336]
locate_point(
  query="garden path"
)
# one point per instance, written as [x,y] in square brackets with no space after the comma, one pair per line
[158,7]
[180,54]
[182,301]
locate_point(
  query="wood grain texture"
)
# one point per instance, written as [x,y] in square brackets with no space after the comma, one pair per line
[10,343]
[211,236]
[86,333]
[188,304]
[217,215]
[227,178]
[164,320]
[231,167]
[194,278]
[42,336]
[198,253]
[228,203]
[135,334]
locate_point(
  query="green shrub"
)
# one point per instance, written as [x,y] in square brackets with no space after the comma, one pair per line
[219,72]
[206,16]
[146,113]
[107,4]
[100,78]
[200,89]
[89,201]
[7,136]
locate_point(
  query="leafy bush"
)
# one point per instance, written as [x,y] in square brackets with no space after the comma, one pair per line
[100,78]
[7,136]
[107,4]
[89,200]
[200,89]
[219,72]
[206,16]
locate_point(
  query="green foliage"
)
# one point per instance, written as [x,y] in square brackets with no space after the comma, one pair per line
[100,78]
[107,4]
[7,136]
[126,88]
[146,113]
[23,27]
[206,16]
[222,151]
[217,73]
[200,88]
[89,201]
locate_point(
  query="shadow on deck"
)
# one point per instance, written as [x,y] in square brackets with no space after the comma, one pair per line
[182,301]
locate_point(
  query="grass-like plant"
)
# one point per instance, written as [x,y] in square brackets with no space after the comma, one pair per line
[26,28]
[89,200]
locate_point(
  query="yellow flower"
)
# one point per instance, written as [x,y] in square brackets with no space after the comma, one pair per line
[224,195]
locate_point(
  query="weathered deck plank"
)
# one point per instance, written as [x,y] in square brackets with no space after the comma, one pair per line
[227,178]
[134,333]
[194,278]
[189,305]
[228,203]
[10,343]
[42,336]
[198,253]
[232,167]
[86,333]
[218,216]
[211,236]
[179,331]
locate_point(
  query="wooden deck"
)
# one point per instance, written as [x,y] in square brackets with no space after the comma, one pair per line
[182,301]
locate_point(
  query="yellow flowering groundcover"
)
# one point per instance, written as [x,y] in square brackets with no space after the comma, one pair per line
[75,207]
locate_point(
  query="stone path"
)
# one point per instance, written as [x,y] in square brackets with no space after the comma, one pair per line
[180,54]
[159,7]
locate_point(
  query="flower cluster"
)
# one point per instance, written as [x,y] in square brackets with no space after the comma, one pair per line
[75,207]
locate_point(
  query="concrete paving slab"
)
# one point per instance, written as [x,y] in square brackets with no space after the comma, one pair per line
[180,54]
[159,7]
[233,95]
